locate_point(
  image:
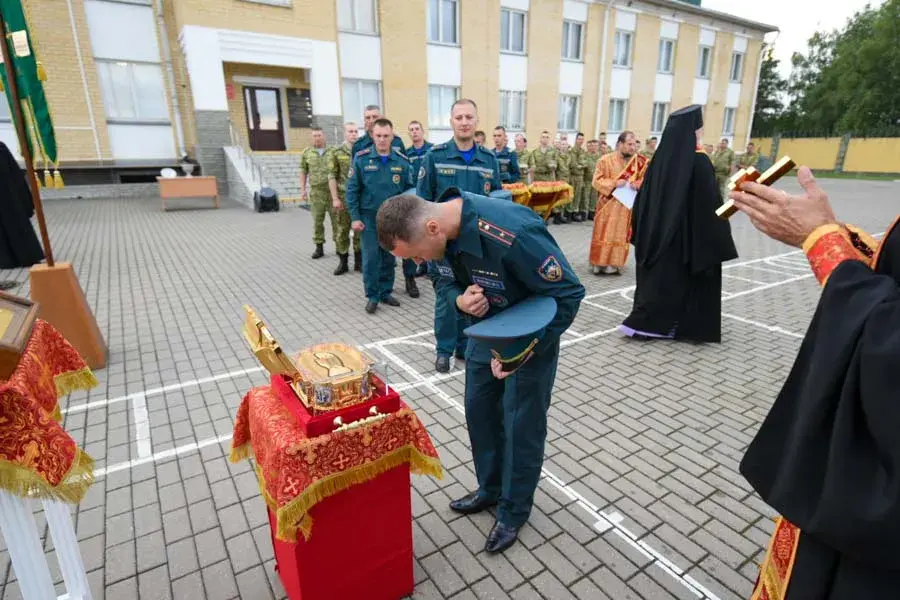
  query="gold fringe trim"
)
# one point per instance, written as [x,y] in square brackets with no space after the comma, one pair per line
[294,515]
[73,381]
[56,415]
[22,481]
[239,453]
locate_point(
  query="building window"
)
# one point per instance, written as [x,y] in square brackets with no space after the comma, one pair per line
[617,109]
[357,95]
[571,40]
[728,124]
[666,60]
[440,101]
[443,21]
[658,119]
[512,110]
[133,91]
[568,113]
[512,31]
[737,67]
[704,62]
[357,16]
[622,53]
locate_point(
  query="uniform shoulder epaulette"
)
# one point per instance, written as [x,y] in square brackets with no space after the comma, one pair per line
[496,233]
[400,152]
[441,146]
[363,151]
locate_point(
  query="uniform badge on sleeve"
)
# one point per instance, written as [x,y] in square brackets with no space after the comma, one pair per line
[350,173]
[550,269]
[487,187]
[395,179]
[421,172]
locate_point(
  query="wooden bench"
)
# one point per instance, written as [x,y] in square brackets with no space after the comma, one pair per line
[188,187]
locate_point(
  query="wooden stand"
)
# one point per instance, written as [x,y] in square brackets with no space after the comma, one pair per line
[188,187]
[62,304]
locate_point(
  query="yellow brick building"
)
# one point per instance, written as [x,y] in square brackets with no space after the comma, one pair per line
[136,84]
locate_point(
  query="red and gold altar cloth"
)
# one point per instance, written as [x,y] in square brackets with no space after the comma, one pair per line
[543,197]
[296,472]
[38,458]
[612,222]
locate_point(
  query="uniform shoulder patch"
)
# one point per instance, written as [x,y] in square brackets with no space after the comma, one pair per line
[400,152]
[550,270]
[364,152]
[421,172]
[441,146]
[496,233]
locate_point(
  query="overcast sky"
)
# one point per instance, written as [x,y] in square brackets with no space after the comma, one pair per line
[796,19]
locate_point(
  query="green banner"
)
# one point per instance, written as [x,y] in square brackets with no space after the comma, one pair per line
[29,73]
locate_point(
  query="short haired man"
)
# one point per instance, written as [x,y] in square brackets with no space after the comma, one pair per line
[314,170]
[480,137]
[378,172]
[371,114]
[340,160]
[750,158]
[498,254]
[507,160]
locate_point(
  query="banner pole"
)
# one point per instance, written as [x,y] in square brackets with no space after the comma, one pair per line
[19,120]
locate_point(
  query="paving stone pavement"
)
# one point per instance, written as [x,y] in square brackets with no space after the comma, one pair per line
[641,497]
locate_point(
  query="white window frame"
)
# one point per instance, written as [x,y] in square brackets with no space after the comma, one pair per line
[506,14]
[564,127]
[728,124]
[354,17]
[737,64]
[617,127]
[660,67]
[568,27]
[359,83]
[135,100]
[441,121]
[441,33]
[621,34]
[709,58]
[508,99]
[658,117]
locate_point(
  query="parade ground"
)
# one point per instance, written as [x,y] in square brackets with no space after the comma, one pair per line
[641,496]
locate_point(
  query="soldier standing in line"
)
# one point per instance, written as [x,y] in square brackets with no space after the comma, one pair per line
[507,160]
[590,194]
[542,161]
[415,153]
[562,174]
[522,153]
[750,158]
[576,211]
[457,165]
[314,167]
[371,114]
[340,158]
[724,162]
[480,137]
[378,172]
[651,147]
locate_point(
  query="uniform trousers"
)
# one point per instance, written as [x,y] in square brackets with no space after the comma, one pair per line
[319,206]
[378,265]
[507,422]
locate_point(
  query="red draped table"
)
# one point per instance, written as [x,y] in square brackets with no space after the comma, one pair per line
[347,492]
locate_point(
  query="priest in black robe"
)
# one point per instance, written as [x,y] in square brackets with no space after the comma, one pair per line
[680,243]
[827,456]
[19,245]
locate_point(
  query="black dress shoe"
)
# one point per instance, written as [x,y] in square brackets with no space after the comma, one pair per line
[500,538]
[411,288]
[472,503]
[459,355]
[442,364]
[390,301]
[371,307]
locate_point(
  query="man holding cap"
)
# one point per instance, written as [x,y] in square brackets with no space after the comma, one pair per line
[504,267]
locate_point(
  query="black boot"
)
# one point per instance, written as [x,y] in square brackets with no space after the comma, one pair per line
[411,288]
[357,260]
[320,251]
[591,215]
[342,265]
[557,219]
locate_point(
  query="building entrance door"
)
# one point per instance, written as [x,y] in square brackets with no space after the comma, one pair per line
[264,123]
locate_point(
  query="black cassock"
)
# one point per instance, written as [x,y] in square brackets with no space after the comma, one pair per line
[680,243]
[827,456]
[19,246]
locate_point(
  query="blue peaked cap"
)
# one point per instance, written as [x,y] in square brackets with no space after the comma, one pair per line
[502,195]
[513,333]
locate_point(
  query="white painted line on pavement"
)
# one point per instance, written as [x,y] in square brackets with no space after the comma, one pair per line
[142,426]
[753,281]
[769,286]
[613,519]
[178,451]
[772,328]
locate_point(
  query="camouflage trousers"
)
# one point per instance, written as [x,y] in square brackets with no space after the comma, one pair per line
[319,206]
[342,236]
[591,195]
[579,198]
[722,181]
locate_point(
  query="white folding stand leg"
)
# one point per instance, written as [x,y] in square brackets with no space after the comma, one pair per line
[24,545]
[67,553]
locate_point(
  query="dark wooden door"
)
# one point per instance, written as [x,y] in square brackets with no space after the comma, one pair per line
[264,123]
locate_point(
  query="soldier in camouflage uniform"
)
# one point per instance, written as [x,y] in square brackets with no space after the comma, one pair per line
[562,174]
[724,162]
[651,147]
[522,153]
[314,170]
[577,210]
[340,158]
[750,158]
[543,160]
[591,157]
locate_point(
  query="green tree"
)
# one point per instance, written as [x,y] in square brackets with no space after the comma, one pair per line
[768,103]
